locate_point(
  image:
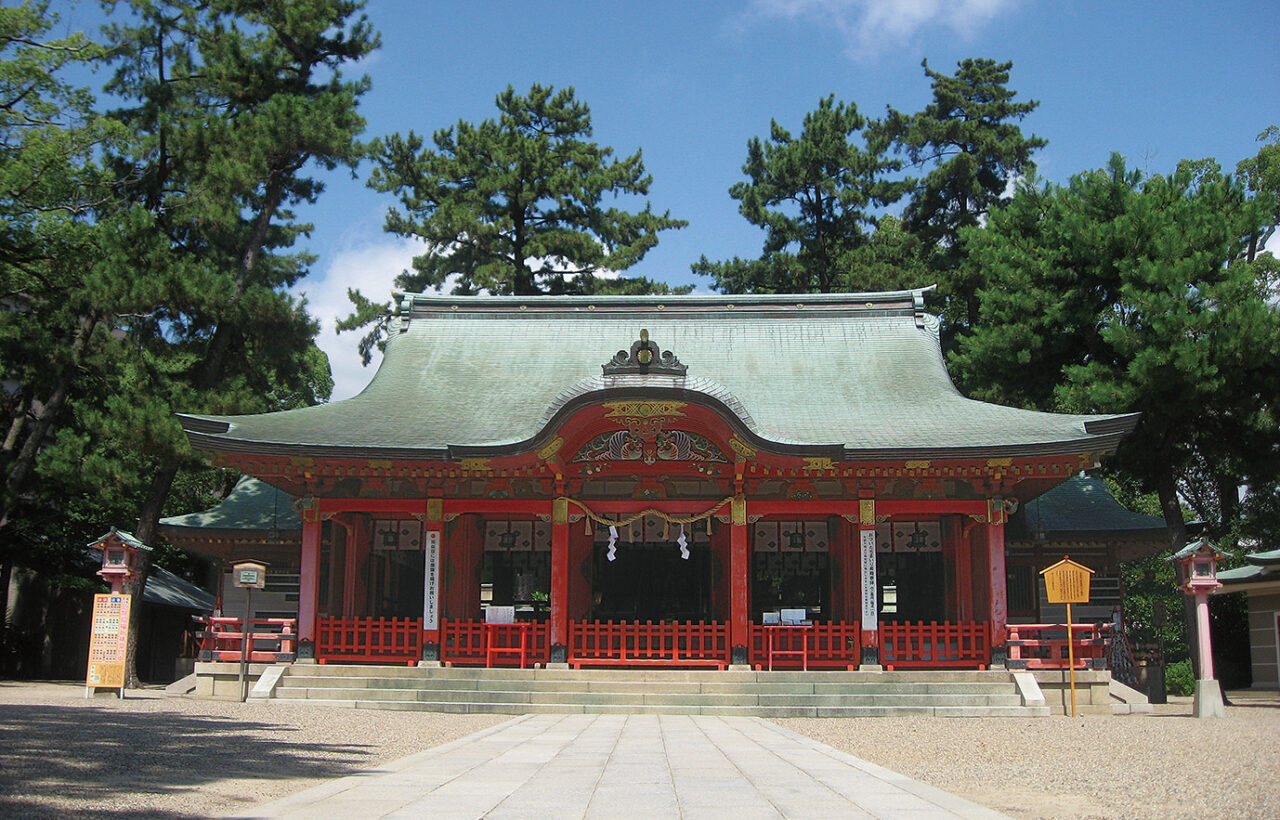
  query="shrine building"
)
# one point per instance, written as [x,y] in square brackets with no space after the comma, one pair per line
[683,481]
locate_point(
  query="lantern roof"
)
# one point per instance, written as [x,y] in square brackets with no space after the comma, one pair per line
[861,373]
[120,536]
[1200,545]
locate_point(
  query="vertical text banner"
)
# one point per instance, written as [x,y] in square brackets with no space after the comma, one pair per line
[870,614]
[431,582]
[108,637]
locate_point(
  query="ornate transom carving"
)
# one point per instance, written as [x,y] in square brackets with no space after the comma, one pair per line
[644,358]
[663,445]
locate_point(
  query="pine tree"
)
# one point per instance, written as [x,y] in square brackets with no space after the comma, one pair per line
[231,108]
[1119,294]
[815,196]
[517,204]
[969,140]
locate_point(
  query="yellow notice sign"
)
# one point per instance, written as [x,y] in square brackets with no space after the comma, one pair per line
[1067,582]
[108,636]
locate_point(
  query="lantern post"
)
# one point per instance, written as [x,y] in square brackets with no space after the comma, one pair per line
[109,628]
[1198,576]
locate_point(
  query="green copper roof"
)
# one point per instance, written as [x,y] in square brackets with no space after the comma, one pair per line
[252,505]
[126,537]
[166,589]
[1081,504]
[860,375]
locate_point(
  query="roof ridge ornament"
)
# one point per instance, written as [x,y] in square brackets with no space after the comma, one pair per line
[644,358]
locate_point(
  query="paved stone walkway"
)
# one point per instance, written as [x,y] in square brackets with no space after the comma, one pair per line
[609,766]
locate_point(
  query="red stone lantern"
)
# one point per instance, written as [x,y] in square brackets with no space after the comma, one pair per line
[119,557]
[1198,576]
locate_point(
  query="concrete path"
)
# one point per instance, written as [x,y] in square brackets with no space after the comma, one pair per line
[606,766]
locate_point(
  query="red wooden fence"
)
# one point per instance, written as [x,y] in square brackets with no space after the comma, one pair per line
[819,646]
[629,643]
[934,645]
[370,640]
[1044,646]
[464,643]
[272,639]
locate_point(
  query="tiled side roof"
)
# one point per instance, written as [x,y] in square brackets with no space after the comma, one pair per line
[166,589]
[1082,504]
[252,505]
[860,371]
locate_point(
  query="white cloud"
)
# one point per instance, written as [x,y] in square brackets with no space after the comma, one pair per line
[871,26]
[370,267]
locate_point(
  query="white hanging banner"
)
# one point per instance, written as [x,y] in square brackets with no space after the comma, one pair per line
[431,582]
[683,543]
[613,543]
[870,591]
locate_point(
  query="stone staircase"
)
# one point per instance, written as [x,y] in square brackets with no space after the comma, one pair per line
[765,694]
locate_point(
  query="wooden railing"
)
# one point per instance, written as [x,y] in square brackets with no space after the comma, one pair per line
[272,640]
[464,643]
[630,643]
[935,645]
[1044,646]
[369,640]
[816,646]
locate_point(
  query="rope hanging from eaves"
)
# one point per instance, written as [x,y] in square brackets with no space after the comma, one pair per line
[631,519]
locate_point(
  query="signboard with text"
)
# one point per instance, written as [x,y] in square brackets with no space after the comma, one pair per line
[431,578]
[1067,582]
[870,589]
[108,637]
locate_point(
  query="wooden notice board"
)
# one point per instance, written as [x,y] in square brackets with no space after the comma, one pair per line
[108,636]
[1067,582]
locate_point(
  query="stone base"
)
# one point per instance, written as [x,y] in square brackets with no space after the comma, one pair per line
[1208,702]
[557,665]
[430,665]
[1093,691]
[870,667]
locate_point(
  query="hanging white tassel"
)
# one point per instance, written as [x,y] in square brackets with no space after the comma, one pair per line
[613,543]
[684,544]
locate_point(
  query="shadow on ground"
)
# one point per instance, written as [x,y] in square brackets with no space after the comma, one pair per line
[98,759]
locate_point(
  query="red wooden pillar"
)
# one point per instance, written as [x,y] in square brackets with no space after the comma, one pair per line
[963,561]
[432,540]
[870,582]
[997,580]
[309,572]
[559,636]
[739,591]
[357,549]
[850,607]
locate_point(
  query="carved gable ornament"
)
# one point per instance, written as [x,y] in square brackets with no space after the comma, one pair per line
[644,358]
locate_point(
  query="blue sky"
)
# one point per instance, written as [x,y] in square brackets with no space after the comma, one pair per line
[690,82]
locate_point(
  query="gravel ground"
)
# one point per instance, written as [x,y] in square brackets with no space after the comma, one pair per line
[1164,765]
[152,756]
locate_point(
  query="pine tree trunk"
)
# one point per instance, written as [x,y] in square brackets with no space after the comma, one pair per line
[148,520]
[20,469]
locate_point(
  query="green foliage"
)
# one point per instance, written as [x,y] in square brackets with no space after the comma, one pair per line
[151,270]
[1116,294]
[1179,679]
[969,141]
[814,196]
[514,205]
[517,204]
